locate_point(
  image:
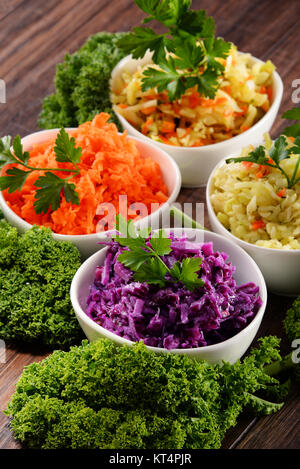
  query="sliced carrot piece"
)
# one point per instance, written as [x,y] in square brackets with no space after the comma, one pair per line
[243,111]
[247,164]
[194,100]
[282,192]
[257,225]
[167,127]
[244,128]
[148,110]
[146,125]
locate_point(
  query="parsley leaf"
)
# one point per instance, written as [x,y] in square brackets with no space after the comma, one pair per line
[166,79]
[216,48]
[51,187]
[71,194]
[6,156]
[296,146]
[279,151]
[148,6]
[134,259]
[190,38]
[292,130]
[197,23]
[143,39]
[187,272]
[65,150]
[49,193]
[207,83]
[48,196]
[293,114]
[257,156]
[14,180]
[161,243]
[144,256]
[189,54]
[152,271]
[18,150]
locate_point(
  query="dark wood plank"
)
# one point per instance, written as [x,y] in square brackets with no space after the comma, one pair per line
[35,35]
[278,431]
[9,6]
[10,372]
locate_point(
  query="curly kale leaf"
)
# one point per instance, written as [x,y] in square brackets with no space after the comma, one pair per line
[35,277]
[100,395]
[82,83]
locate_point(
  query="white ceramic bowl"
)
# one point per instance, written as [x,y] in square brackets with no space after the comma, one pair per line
[197,163]
[87,244]
[230,350]
[280,268]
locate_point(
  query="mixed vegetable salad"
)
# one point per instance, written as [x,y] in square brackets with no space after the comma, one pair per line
[243,97]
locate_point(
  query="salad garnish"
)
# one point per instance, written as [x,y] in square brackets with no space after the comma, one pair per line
[144,256]
[280,150]
[50,186]
[187,54]
[292,130]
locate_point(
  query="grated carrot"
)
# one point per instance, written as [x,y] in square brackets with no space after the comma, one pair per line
[167,127]
[257,225]
[148,110]
[111,165]
[247,164]
[145,127]
[282,192]
[244,128]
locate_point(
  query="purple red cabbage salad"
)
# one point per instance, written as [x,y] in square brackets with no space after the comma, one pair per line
[173,317]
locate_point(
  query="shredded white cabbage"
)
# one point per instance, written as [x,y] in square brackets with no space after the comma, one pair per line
[256,209]
[244,96]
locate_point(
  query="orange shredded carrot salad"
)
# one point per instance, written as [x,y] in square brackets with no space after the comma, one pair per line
[111,165]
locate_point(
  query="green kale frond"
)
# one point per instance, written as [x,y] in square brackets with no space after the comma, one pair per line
[35,277]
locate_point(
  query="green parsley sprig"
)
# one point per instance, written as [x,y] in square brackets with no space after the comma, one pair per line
[144,256]
[292,130]
[190,40]
[279,151]
[49,186]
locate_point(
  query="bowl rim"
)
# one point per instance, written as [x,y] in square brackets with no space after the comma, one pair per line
[81,314]
[227,233]
[171,197]
[277,83]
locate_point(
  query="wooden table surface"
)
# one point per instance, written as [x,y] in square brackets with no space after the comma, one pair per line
[34,37]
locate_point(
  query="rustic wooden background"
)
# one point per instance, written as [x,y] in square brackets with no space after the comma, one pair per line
[34,37]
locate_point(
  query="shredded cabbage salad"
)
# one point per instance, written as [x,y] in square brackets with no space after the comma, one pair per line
[244,96]
[173,317]
[254,204]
